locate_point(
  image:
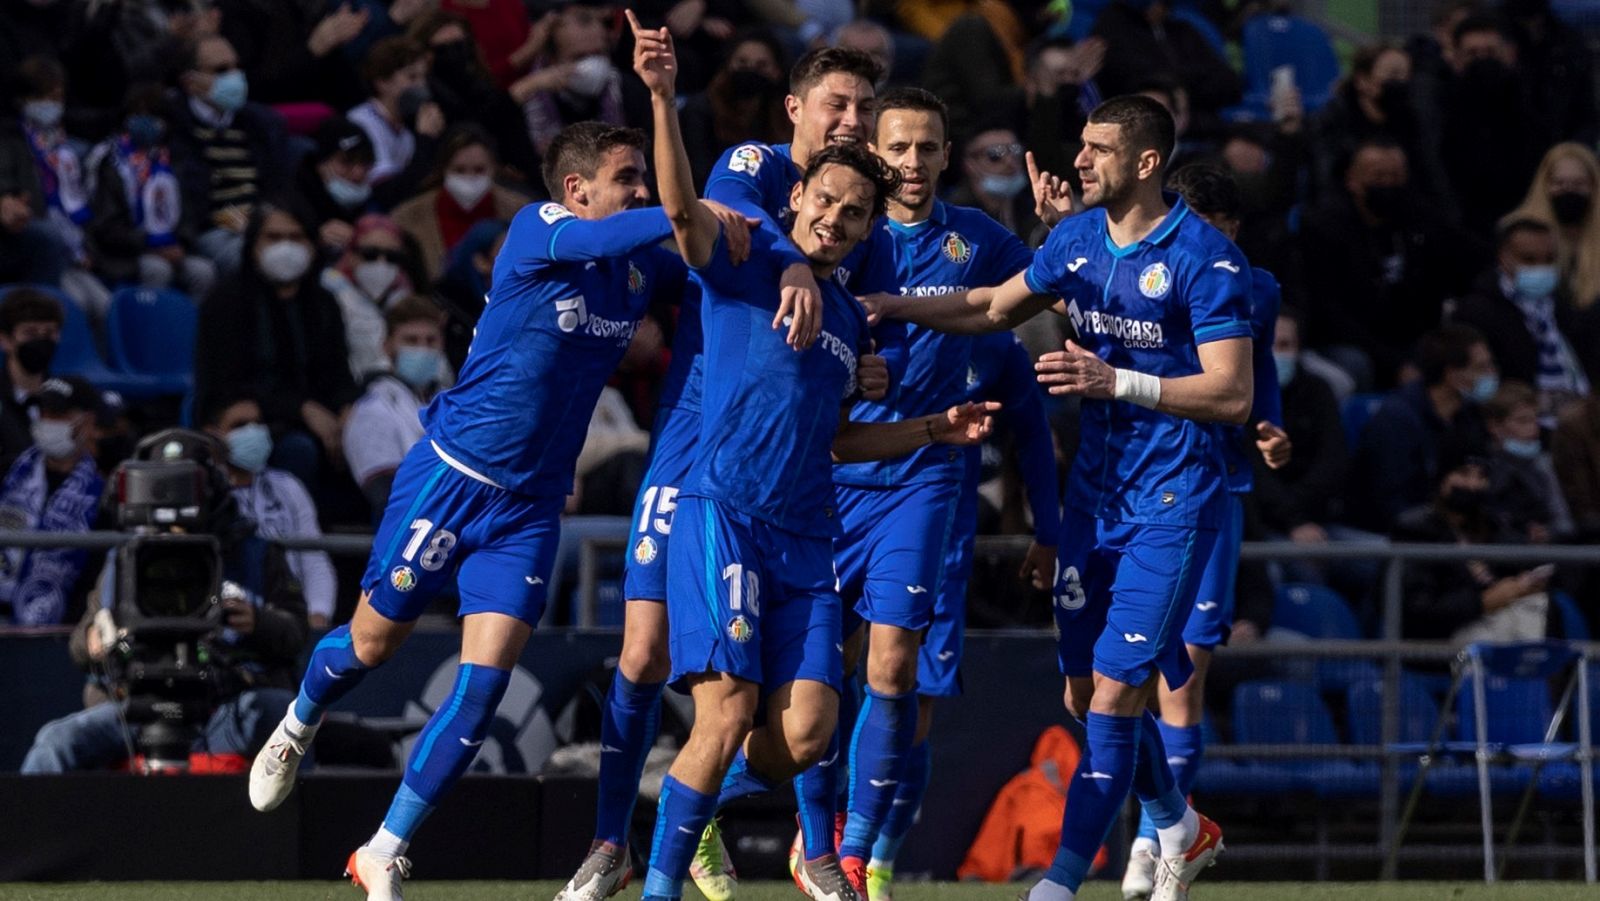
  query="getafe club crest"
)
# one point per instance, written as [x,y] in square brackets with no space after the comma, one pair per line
[644,551]
[956,249]
[1155,281]
[740,630]
[403,578]
[635,279]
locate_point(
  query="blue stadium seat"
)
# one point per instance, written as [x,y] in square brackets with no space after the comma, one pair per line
[1574,625]
[1201,23]
[1317,611]
[1270,41]
[1293,713]
[1357,412]
[77,353]
[152,333]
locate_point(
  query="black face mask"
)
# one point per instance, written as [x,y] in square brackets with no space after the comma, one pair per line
[1570,207]
[1490,78]
[1388,202]
[1466,501]
[34,356]
[750,83]
[410,102]
[452,63]
[1394,98]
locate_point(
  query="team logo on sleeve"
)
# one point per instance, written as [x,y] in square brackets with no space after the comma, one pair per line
[635,279]
[552,213]
[740,630]
[746,159]
[956,249]
[1155,281]
[644,551]
[403,578]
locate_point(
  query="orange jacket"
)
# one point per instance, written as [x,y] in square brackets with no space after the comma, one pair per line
[1023,827]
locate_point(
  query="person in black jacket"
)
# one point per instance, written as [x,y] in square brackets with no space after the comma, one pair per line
[1517,306]
[1144,43]
[331,183]
[255,647]
[273,332]
[30,329]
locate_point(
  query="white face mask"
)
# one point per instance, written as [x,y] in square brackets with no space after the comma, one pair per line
[284,261]
[54,438]
[376,277]
[466,190]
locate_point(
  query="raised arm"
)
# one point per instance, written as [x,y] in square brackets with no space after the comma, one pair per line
[965,312]
[694,226]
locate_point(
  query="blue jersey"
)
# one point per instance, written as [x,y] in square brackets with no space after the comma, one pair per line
[1002,370]
[953,249]
[1265,298]
[680,388]
[567,297]
[769,414]
[1147,307]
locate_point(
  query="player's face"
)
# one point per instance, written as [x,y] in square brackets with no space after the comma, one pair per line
[618,184]
[1108,167]
[833,212]
[838,109]
[912,141]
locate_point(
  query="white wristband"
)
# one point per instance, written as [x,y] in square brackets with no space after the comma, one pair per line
[1138,388]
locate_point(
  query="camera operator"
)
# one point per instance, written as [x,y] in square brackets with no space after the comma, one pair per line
[252,650]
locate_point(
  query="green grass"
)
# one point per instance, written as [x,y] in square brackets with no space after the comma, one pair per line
[779,891]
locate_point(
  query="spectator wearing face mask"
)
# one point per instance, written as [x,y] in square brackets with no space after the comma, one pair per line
[275,499]
[1377,266]
[227,152]
[331,183]
[1522,477]
[400,118]
[1563,192]
[1399,456]
[369,279]
[458,195]
[54,486]
[386,421]
[30,328]
[572,79]
[137,233]
[1516,307]
[272,332]
[460,82]
[743,102]
[994,178]
[298,51]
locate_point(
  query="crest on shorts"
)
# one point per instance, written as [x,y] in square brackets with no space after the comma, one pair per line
[644,551]
[403,578]
[956,249]
[746,159]
[1155,281]
[635,279]
[740,630]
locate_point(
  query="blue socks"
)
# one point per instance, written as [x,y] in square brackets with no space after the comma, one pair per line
[1099,788]
[446,746]
[883,736]
[331,673]
[907,802]
[680,818]
[816,791]
[741,781]
[1183,743]
[628,727]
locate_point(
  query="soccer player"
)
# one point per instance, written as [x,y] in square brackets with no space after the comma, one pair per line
[479,499]
[1160,303]
[831,103]
[751,605]
[1001,370]
[1210,192]
[898,516]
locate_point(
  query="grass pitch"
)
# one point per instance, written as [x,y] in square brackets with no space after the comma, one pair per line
[423,890]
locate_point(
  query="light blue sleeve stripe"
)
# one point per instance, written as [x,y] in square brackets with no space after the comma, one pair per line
[1233,329]
[1027,276]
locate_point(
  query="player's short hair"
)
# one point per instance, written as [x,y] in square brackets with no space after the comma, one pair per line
[1145,123]
[885,180]
[389,56]
[1446,347]
[579,148]
[1208,189]
[29,305]
[916,99]
[414,308]
[824,61]
[1514,225]
[1511,396]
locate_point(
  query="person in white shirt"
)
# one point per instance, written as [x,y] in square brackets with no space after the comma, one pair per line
[369,278]
[386,420]
[396,69]
[275,499]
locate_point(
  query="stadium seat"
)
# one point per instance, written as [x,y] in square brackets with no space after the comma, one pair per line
[1273,712]
[152,333]
[1317,611]
[1574,625]
[77,353]
[1357,412]
[1270,41]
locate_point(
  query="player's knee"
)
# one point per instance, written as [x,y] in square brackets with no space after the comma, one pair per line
[892,670]
[373,647]
[808,743]
[643,662]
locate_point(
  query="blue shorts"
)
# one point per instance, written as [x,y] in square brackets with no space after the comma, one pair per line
[891,555]
[442,524]
[672,444]
[751,600]
[1212,620]
[939,658]
[1123,594]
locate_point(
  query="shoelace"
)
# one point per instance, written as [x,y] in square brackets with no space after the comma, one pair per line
[283,748]
[832,881]
[402,865]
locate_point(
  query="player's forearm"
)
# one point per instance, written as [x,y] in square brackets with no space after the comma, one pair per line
[858,442]
[692,224]
[970,312]
[1208,397]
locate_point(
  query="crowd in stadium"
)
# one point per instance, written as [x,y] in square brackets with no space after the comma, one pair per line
[329,183]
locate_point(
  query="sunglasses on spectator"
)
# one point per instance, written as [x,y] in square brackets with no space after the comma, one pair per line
[995,153]
[373,254]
